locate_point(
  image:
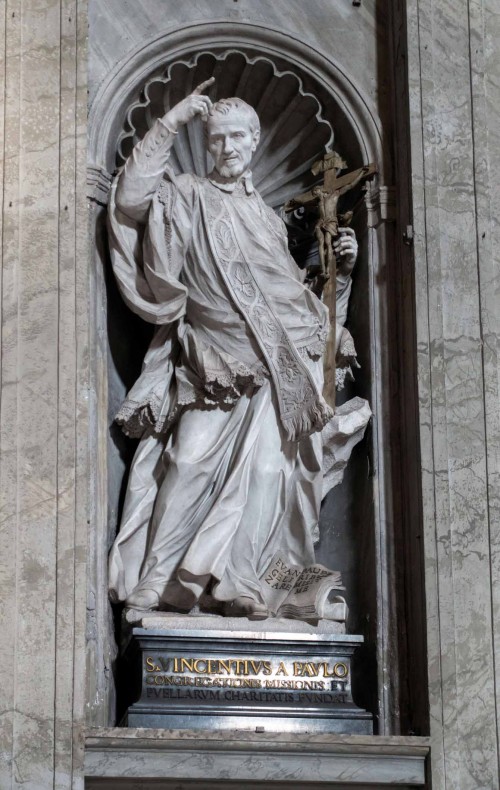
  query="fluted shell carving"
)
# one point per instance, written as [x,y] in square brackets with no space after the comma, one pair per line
[294,132]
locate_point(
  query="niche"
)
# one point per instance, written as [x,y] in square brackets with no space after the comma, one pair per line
[307,105]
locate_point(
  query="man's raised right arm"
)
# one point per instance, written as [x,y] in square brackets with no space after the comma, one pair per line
[145,167]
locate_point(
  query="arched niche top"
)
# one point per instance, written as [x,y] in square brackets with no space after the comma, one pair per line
[344,105]
[293,132]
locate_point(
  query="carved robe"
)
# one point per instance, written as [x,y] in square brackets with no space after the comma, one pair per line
[228,406]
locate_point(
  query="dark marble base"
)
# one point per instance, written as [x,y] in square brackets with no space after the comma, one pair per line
[258,681]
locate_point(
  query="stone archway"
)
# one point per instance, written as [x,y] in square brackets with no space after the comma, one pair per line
[328,78]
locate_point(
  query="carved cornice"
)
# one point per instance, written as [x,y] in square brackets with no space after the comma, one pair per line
[98,184]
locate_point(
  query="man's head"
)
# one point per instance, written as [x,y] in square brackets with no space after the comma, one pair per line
[233,133]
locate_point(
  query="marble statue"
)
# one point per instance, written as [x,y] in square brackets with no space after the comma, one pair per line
[237,443]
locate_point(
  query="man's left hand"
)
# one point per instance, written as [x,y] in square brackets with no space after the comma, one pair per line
[346,250]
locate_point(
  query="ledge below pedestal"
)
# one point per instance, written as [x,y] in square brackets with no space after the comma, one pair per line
[140,759]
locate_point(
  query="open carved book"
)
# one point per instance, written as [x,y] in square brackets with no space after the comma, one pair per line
[304,593]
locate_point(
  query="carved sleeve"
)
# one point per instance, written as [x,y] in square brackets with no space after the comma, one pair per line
[143,172]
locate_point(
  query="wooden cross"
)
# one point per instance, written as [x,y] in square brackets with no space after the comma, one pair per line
[325,197]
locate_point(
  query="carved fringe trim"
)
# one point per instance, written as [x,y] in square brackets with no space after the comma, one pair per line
[315,349]
[220,389]
[134,417]
[310,419]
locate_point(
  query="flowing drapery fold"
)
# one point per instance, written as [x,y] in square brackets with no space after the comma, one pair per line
[228,406]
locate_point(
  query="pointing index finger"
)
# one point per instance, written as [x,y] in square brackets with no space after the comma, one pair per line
[203,85]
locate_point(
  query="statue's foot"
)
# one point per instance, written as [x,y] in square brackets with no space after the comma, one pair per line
[143,600]
[244,606]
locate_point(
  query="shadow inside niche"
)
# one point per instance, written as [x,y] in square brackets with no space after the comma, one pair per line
[128,338]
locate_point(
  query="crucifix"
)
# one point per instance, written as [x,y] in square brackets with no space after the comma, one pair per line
[325,198]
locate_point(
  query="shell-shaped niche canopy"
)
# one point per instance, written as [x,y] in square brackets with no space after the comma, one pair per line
[294,132]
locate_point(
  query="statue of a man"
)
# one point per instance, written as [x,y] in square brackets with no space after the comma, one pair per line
[229,406]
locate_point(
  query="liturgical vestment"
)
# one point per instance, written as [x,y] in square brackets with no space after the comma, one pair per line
[229,407]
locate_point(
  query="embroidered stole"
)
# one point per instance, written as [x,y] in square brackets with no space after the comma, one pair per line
[303,409]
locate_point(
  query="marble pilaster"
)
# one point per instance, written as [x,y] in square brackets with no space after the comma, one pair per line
[43,394]
[453,172]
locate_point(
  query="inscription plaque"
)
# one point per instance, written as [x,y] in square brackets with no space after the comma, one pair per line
[185,679]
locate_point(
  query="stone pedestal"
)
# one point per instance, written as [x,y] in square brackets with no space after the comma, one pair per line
[253,679]
[120,758]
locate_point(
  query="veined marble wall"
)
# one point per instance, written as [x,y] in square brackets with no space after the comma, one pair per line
[44,393]
[48,369]
[454,70]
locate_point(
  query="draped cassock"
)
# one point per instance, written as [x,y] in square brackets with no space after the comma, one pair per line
[228,407]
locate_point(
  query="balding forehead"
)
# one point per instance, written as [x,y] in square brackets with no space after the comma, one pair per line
[235,107]
[230,122]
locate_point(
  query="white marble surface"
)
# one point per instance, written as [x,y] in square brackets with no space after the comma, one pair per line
[328,760]
[43,472]
[235,626]
[333,26]
[454,114]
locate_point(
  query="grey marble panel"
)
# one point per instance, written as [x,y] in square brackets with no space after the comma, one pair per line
[252,758]
[119,26]
[458,420]
[43,397]
[30,328]
[485,85]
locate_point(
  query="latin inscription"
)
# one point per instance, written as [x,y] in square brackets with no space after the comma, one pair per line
[247,696]
[246,680]
[301,580]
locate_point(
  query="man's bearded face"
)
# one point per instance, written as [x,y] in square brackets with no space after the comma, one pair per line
[231,143]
